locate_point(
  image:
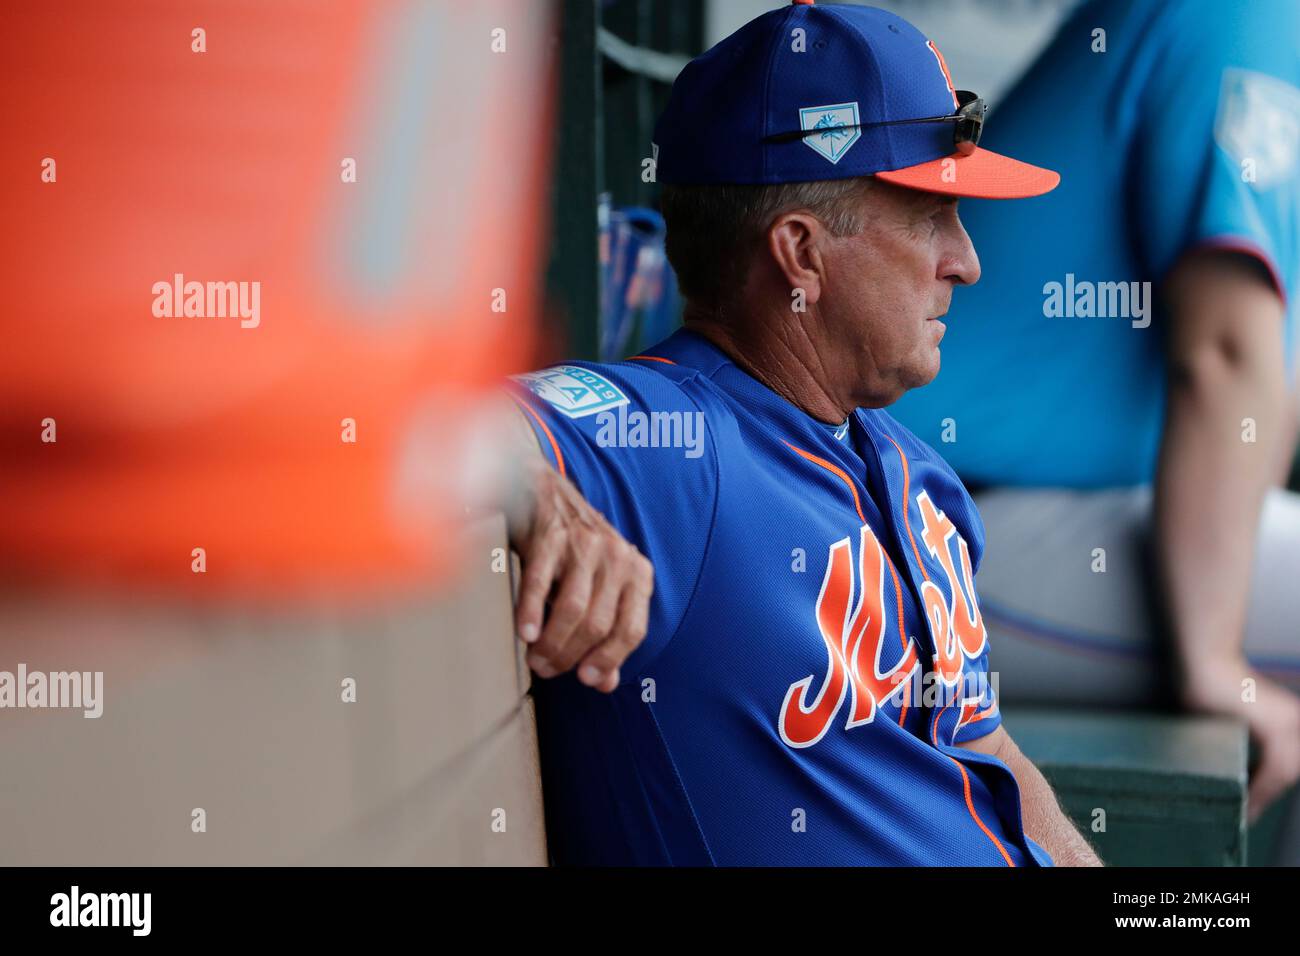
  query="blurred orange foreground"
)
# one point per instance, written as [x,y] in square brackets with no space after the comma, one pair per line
[175,432]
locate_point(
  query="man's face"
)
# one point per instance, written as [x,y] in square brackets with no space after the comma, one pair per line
[885,288]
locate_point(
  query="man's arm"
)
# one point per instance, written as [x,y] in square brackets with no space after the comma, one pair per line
[1225,365]
[598,584]
[1043,819]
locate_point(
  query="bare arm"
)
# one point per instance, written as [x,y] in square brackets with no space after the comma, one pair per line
[1043,819]
[1225,363]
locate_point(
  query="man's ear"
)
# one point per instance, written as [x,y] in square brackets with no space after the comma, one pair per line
[794,240]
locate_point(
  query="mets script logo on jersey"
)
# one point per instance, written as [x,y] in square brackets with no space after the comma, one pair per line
[854,636]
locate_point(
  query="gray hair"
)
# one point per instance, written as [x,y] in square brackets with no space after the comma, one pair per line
[714,231]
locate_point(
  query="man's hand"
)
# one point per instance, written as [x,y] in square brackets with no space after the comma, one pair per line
[598,584]
[1273,717]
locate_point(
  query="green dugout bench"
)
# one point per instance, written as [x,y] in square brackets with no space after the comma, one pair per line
[1147,789]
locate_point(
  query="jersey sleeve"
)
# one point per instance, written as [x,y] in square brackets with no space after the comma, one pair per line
[635,444]
[1217,147]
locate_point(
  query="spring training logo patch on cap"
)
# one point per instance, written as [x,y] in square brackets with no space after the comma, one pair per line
[838,124]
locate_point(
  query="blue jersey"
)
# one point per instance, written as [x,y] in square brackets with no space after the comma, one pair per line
[815,647]
[1183,133]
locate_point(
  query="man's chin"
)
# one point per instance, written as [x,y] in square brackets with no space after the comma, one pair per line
[925,372]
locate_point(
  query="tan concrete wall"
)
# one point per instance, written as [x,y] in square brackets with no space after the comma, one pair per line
[240,713]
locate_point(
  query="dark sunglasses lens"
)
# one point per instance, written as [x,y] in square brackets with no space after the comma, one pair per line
[971,125]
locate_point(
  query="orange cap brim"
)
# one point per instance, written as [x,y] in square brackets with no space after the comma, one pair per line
[980,174]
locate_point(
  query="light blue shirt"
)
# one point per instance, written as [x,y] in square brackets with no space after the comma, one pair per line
[1183,133]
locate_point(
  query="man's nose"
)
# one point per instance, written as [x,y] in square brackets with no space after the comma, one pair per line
[960,265]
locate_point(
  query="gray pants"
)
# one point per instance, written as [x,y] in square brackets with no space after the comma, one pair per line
[1063,632]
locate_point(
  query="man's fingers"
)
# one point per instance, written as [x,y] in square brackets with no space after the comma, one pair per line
[548,656]
[539,565]
[1264,789]
[1275,729]
[600,667]
[1277,770]
[596,626]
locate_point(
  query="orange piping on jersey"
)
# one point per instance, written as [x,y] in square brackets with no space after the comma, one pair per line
[838,472]
[965,786]
[907,523]
[857,504]
[559,458]
[965,783]
[898,591]
[650,358]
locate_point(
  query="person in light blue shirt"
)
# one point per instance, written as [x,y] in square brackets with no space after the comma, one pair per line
[1120,387]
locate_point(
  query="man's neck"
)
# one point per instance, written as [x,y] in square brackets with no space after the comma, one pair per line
[786,360]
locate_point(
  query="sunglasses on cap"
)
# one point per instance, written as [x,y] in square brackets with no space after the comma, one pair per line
[968,123]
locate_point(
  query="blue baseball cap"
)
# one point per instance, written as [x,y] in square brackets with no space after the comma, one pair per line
[811,92]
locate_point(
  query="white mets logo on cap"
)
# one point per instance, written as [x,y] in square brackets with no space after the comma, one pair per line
[837,125]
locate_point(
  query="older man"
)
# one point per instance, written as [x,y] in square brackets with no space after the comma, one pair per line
[804,682]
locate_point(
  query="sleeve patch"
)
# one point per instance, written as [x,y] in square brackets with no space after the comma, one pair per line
[572,390]
[1259,120]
